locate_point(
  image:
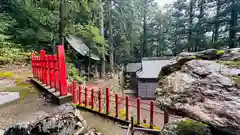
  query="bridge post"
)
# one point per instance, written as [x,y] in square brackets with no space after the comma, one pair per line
[45,81]
[127,102]
[100,100]
[80,94]
[62,70]
[116,104]
[151,114]
[107,100]
[138,110]
[86,96]
[42,56]
[51,70]
[74,93]
[92,98]
[56,77]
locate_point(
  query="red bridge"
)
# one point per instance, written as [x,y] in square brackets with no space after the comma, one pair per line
[49,71]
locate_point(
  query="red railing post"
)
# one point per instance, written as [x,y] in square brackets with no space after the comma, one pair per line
[49,71]
[39,68]
[138,110]
[62,70]
[100,99]
[45,70]
[80,94]
[116,104]
[151,114]
[92,98]
[74,92]
[32,63]
[42,57]
[127,101]
[86,96]
[107,100]
[56,77]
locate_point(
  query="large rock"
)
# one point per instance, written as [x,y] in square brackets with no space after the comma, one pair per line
[185,127]
[70,123]
[202,89]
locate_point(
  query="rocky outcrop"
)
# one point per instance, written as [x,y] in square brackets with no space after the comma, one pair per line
[70,123]
[196,85]
[185,127]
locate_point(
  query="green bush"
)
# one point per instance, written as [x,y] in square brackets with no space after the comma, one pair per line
[73,73]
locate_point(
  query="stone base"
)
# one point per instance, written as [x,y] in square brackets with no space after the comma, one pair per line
[56,97]
[6,97]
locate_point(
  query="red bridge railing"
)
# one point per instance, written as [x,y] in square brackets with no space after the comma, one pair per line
[51,71]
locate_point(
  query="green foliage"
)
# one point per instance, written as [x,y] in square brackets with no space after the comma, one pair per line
[74,73]
[220,52]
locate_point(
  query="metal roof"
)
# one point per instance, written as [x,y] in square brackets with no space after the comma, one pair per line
[80,47]
[151,68]
[133,67]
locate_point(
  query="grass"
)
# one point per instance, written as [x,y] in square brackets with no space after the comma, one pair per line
[235,64]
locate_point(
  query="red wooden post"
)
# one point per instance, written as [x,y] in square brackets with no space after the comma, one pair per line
[45,70]
[86,96]
[42,56]
[116,104]
[92,98]
[51,72]
[80,94]
[39,68]
[127,101]
[74,92]
[108,100]
[166,116]
[62,70]
[151,114]
[100,100]
[56,77]
[48,70]
[138,110]
[32,63]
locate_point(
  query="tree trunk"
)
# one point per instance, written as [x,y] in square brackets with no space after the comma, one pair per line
[144,45]
[233,23]
[217,23]
[101,16]
[190,25]
[110,37]
[61,27]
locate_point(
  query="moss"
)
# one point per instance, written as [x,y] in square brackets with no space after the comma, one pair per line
[23,91]
[220,52]
[230,63]
[6,74]
[190,126]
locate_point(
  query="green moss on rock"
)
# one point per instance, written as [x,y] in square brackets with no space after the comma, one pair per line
[220,52]
[186,127]
[190,126]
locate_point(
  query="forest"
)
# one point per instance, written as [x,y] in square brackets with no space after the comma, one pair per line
[121,30]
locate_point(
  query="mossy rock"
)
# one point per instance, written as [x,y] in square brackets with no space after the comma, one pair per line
[186,127]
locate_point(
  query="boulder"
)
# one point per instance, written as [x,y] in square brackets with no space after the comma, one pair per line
[70,123]
[185,127]
[199,86]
